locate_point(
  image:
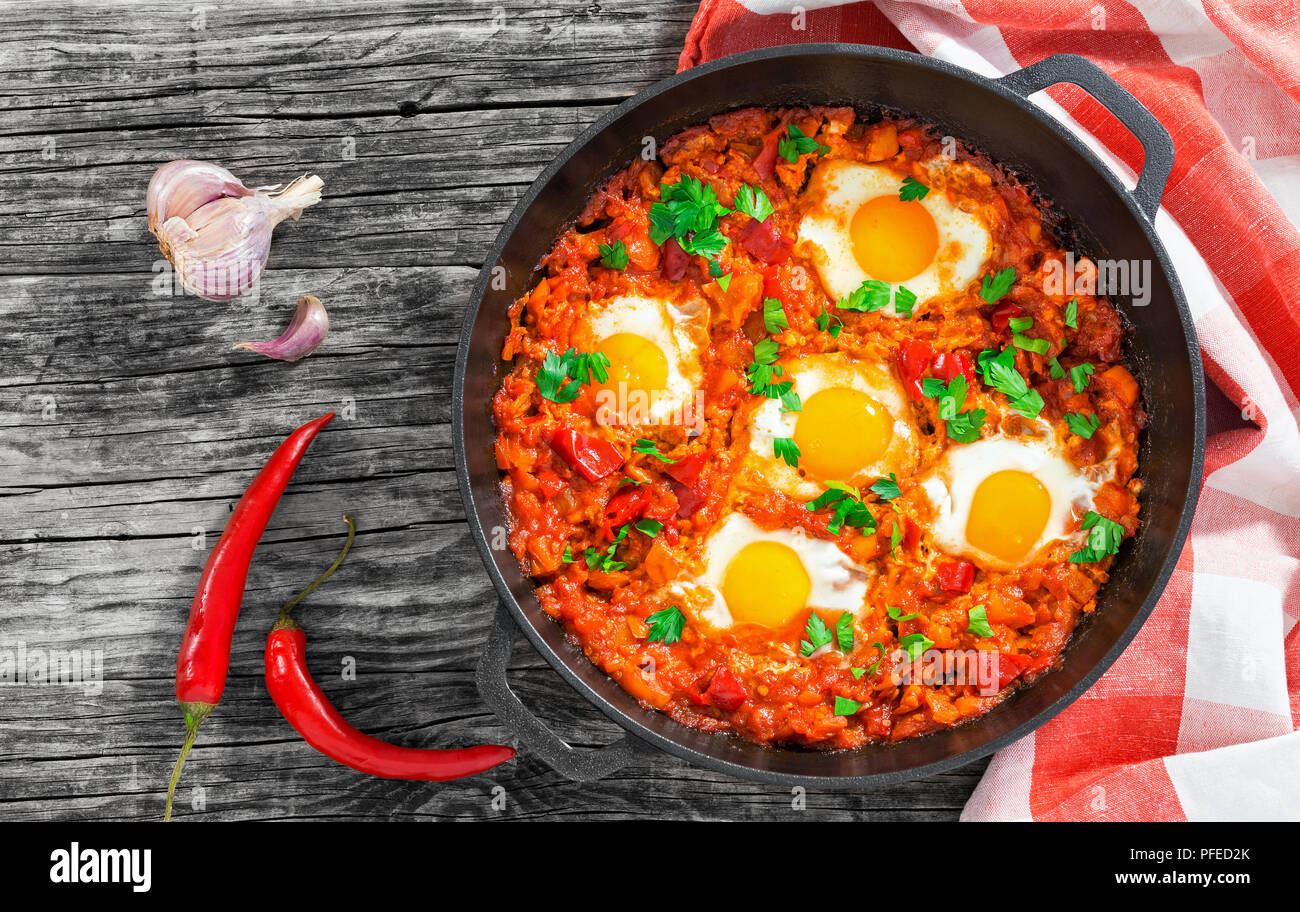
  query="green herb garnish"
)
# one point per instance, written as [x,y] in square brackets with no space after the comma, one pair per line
[666,626]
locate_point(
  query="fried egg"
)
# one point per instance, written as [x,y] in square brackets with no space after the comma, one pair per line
[653,346]
[769,577]
[855,426]
[1001,500]
[858,229]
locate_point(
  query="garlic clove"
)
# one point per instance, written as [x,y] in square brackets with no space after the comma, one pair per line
[305,333]
[215,231]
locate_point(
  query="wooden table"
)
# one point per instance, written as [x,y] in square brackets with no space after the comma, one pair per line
[128,427]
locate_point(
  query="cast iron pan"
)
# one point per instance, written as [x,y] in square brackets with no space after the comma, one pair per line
[1099,217]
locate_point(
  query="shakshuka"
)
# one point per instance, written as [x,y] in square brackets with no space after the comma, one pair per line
[806,438]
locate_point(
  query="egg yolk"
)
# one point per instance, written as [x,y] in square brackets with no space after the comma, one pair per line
[893,240]
[840,432]
[636,362]
[1008,514]
[766,584]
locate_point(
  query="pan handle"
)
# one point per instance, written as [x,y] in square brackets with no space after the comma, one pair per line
[1157,147]
[575,763]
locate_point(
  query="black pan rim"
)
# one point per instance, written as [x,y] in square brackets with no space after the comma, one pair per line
[634,726]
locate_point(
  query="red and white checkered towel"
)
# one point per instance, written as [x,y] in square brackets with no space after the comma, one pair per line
[1197,720]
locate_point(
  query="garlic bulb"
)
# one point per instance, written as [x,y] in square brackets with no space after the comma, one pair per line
[214,230]
[305,333]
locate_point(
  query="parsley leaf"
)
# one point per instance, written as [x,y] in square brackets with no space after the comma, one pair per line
[689,211]
[798,144]
[605,562]
[846,707]
[896,614]
[1037,346]
[648,448]
[766,350]
[1083,425]
[965,427]
[667,625]
[613,256]
[979,622]
[876,664]
[568,554]
[915,644]
[572,365]
[912,189]
[785,448]
[904,301]
[994,287]
[818,635]
[844,632]
[858,673]
[724,281]
[1056,371]
[774,319]
[1000,372]
[753,202]
[824,323]
[1072,313]
[895,539]
[849,508]
[648,527]
[872,294]
[1079,375]
[886,488]
[1103,539]
[1020,324]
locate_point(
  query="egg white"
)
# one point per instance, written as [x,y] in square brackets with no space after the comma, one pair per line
[951,487]
[678,329]
[811,375]
[824,234]
[838,584]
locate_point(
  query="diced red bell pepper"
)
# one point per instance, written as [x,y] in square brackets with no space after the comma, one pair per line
[549,483]
[947,365]
[675,260]
[765,241]
[955,576]
[765,161]
[913,357]
[624,507]
[590,457]
[725,691]
[687,469]
[1013,665]
[1002,315]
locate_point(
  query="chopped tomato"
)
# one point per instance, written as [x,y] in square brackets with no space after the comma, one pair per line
[947,365]
[956,576]
[766,242]
[913,357]
[675,260]
[1012,665]
[688,500]
[1002,315]
[549,483]
[725,691]
[590,457]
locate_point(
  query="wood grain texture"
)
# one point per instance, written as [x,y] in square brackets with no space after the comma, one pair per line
[128,428]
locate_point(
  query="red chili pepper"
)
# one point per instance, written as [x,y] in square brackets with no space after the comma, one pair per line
[1002,314]
[955,576]
[305,706]
[675,260]
[947,365]
[765,242]
[624,507]
[688,468]
[204,658]
[725,691]
[590,457]
[913,357]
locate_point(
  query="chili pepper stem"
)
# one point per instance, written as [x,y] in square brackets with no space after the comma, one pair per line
[195,714]
[284,620]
